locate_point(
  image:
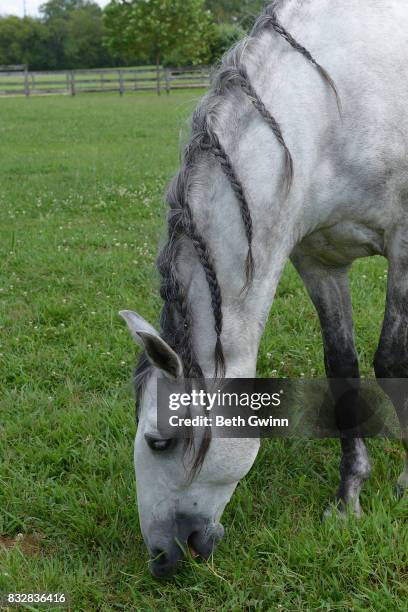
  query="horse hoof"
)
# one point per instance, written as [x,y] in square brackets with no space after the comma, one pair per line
[341,510]
[334,510]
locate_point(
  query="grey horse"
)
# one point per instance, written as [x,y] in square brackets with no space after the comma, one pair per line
[298,151]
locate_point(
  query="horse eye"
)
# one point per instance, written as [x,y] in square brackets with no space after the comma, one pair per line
[158,444]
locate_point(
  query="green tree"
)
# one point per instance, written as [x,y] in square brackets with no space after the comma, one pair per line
[75,34]
[84,38]
[23,41]
[242,12]
[69,34]
[157,29]
[225,35]
[61,9]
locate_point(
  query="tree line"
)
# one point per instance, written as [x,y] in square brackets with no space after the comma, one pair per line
[74,34]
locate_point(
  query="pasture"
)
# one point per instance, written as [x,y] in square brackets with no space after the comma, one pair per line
[81,214]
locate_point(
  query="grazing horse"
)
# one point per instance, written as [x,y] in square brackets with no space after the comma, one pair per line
[298,151]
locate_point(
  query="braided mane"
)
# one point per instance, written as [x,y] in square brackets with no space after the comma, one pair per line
[176,318]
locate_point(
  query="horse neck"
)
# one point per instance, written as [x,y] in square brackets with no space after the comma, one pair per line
[249,141]
[218,219]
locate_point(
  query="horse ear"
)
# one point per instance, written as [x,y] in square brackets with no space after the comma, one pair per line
[158,352]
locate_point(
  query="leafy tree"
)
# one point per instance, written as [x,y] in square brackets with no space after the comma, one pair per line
[85,32]
[116,19]
[23,41]
[225,35]
[242,12]
[75,34]
[61,9]
[156,29]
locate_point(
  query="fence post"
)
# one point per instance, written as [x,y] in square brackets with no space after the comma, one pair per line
[26,81]
[158,80]
[121,86]
[167,76]
[73,92]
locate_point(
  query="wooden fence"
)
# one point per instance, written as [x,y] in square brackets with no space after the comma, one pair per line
[17,80]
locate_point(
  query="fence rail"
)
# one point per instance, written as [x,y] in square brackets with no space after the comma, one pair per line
[18,80]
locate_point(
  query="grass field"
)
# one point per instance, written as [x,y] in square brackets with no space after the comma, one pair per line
[81,212]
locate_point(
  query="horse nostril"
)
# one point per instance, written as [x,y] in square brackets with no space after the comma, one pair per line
[163,562]
[159,556]
[190,545]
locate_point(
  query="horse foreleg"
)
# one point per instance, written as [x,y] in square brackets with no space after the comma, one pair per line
[329,290]
[391,358]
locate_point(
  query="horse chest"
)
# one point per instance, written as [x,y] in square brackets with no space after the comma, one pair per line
[342,243]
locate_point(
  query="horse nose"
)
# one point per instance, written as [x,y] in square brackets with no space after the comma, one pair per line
[169,548]
[196,533]
[164,562]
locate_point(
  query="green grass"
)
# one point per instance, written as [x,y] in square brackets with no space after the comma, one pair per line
[81,183]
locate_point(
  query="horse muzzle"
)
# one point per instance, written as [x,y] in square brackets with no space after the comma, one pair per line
[196,534]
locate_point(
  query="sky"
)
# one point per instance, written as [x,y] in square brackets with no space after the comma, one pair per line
[16,7]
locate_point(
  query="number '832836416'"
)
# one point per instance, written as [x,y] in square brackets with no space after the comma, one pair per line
[16,599]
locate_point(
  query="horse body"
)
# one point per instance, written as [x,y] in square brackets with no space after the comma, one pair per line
[349,171]
[348,199]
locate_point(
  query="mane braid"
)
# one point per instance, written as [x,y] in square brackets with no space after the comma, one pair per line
[269,19]
[215,290]
[219,152]
[176,320]
[249,90]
